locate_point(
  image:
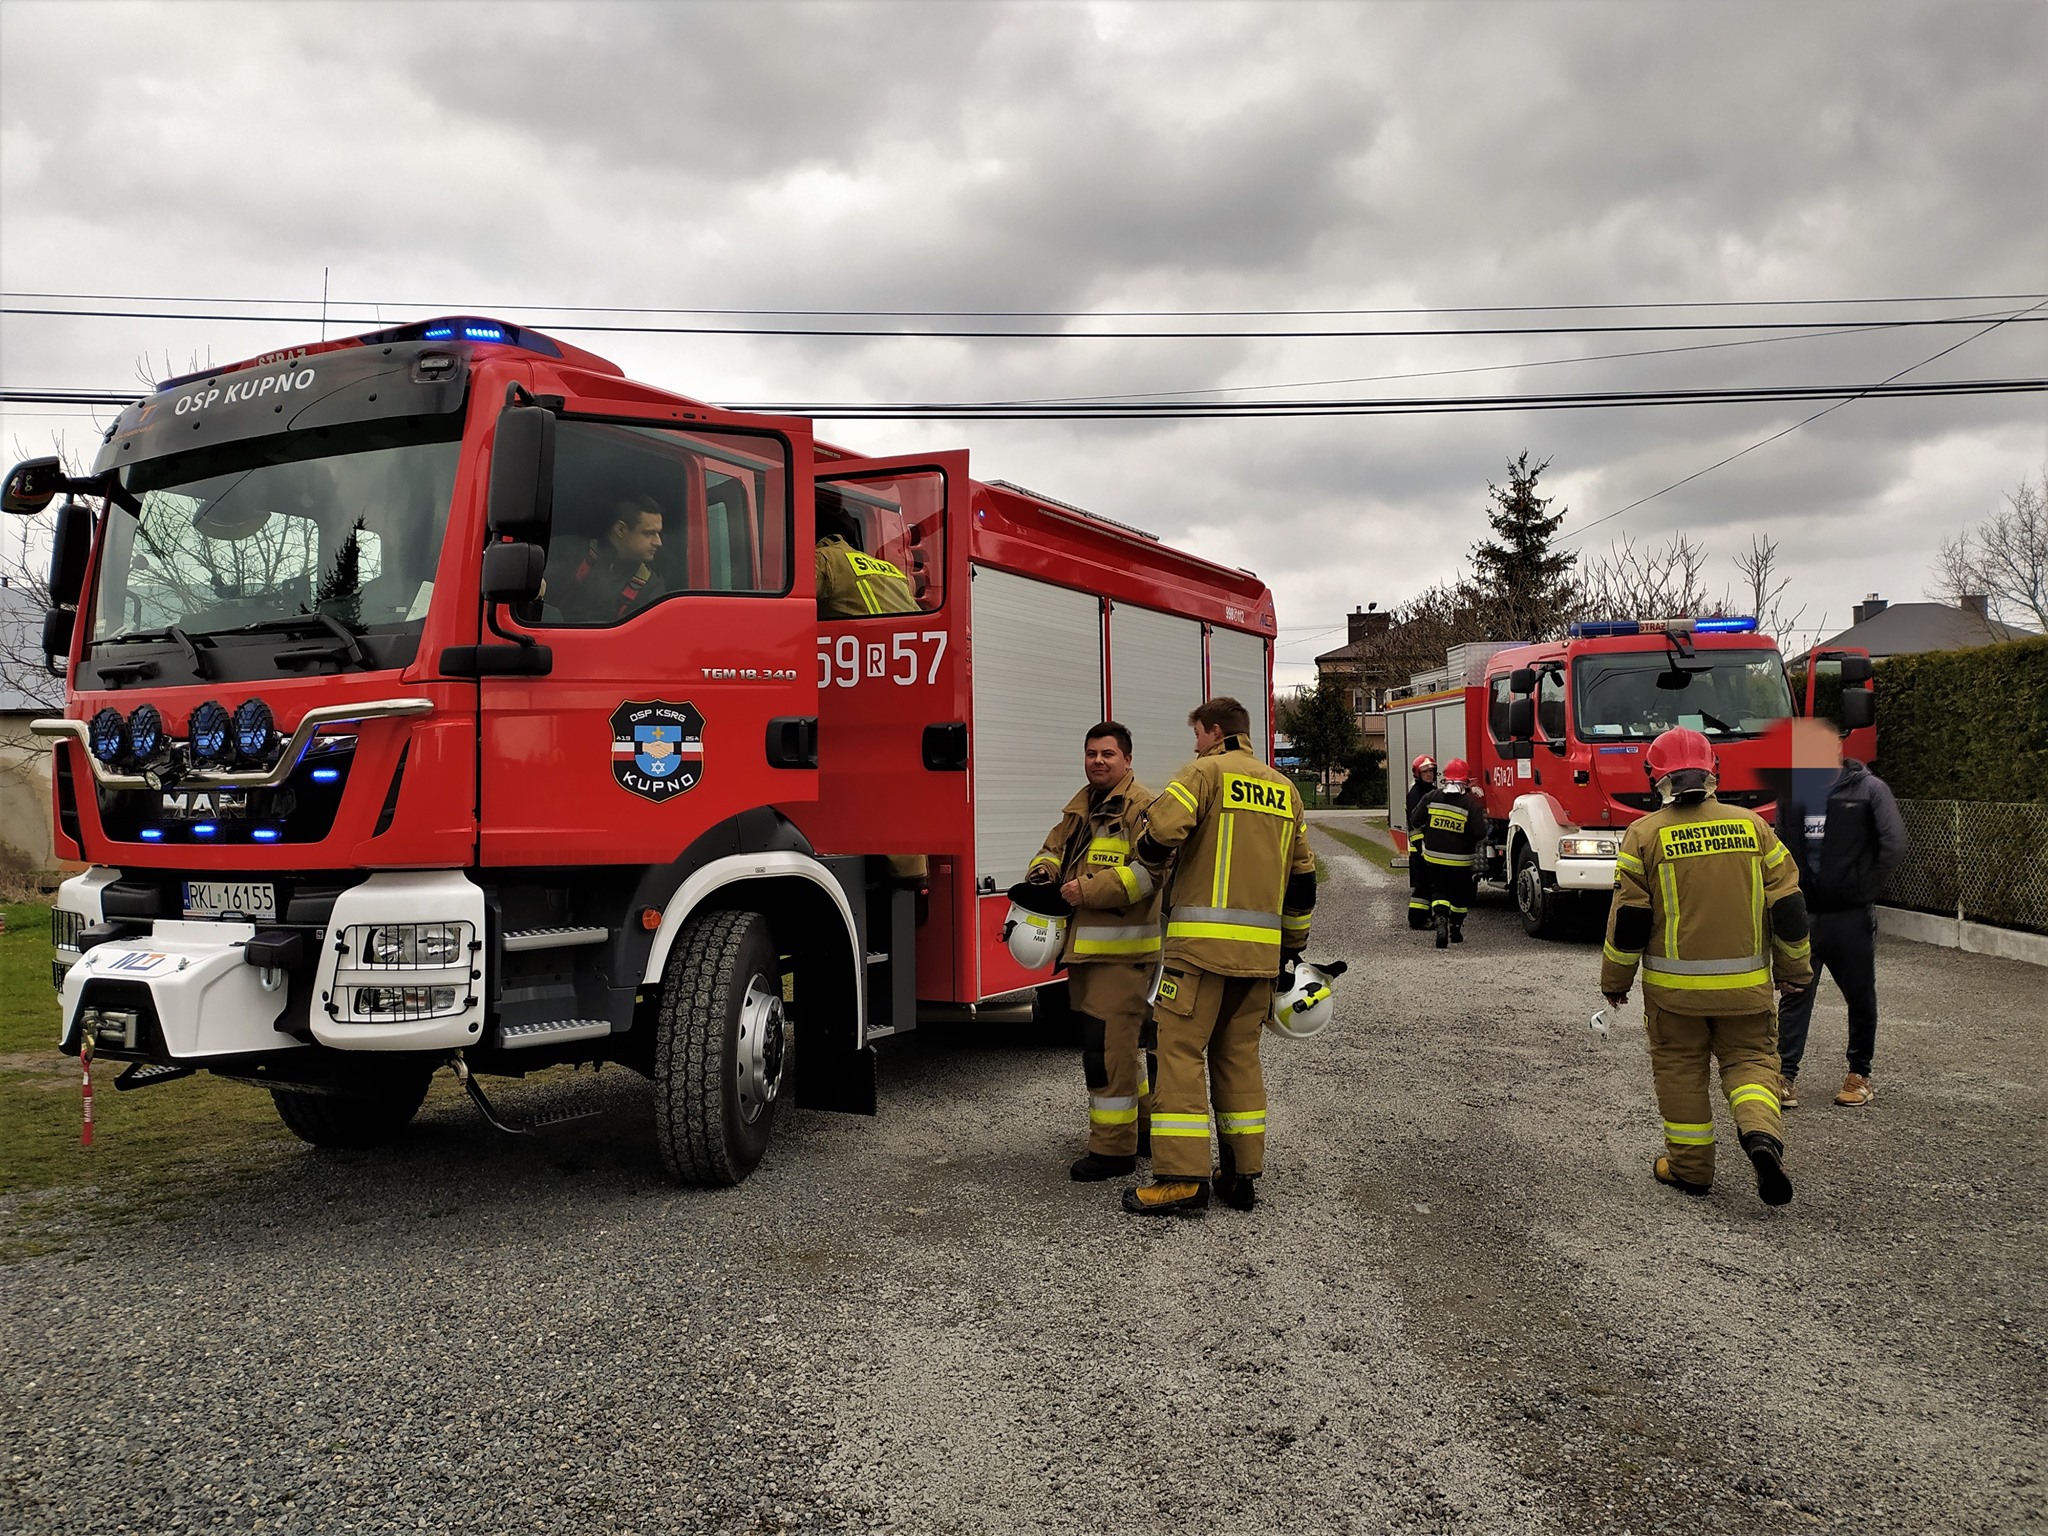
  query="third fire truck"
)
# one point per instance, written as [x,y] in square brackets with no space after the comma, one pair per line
[1555,735]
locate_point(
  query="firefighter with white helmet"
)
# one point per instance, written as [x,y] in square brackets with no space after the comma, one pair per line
[1422,784]
[1111,946]
[1452,827]
[1242,889]
[1707,905]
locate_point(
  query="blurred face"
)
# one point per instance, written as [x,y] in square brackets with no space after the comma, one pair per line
[1207,737]
[637,535]
[1105,762]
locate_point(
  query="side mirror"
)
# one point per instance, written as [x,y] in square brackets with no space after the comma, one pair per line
[522,494]
[59,624]
[1522,680]
[1522,719]
[1859,707]
[70,551]
[1857,670]
[513,572]
[31,485]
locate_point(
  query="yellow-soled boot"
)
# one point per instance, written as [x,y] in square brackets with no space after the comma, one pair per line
[1168,1197]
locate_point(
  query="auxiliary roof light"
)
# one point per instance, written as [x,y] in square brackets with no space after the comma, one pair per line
[107,734]
[255,732]
[209,731]
[145,733]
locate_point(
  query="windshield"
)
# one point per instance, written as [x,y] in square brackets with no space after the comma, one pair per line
[1634,695]
[345,522]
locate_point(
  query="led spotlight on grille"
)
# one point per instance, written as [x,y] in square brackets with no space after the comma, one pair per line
[145,734]
[108,734]
[208,732]
[255,733]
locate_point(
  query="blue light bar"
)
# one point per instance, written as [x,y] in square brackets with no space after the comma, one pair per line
[266,834]
[438,332]
[483,333]
[1601,629]
[1725,626]
[326,775]
[152,834]
[204,829]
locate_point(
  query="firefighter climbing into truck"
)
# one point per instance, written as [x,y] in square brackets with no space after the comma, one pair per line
[1555,734]
[393,744]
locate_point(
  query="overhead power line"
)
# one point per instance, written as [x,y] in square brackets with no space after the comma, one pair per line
[880,333]
[1036,314]
[1181,410]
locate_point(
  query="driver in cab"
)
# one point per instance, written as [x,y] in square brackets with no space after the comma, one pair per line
[615,574]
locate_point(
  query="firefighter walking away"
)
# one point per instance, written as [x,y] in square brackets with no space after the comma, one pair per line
[1112,946]
[1451,826]
[1238,904]
[1707,906]
[1421,785]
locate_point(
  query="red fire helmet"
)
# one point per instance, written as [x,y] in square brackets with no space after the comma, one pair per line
[1422,762]
[1680,749]
[1457,771]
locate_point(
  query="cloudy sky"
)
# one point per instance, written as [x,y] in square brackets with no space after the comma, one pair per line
[1092,161]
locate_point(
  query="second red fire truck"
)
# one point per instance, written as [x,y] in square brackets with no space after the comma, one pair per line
[1555,735]
[368,787]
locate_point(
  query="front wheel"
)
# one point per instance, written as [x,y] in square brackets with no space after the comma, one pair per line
[1541,905]
[721,1049]
[368,1111]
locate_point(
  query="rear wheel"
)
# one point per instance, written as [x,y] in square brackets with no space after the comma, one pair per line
[369,1110]
[1540,903]
[721,1049]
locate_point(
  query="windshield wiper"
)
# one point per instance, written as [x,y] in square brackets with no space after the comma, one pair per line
[1718,723]
[176,636]
[345,646]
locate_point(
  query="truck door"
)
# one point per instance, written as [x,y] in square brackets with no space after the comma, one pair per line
[1819,695]
[679,611]
[892,693]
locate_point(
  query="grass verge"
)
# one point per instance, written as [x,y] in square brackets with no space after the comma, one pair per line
[1368,847]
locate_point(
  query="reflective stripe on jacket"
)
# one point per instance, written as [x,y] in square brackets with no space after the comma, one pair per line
[1708,874]
[1451,830]
[1118,918]
[852,585]
[1237,826]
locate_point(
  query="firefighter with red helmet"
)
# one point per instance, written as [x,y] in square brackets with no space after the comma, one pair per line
[1452,826]
[1422,784]
[1707,905]
[1112,945]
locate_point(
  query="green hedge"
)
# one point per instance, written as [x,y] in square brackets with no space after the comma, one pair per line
[1965,725]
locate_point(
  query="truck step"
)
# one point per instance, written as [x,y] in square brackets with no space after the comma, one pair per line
[515,1037]
[521,939]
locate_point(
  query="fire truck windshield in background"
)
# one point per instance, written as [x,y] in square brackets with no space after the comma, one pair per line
[1632,695]
[345,522]
[644,513]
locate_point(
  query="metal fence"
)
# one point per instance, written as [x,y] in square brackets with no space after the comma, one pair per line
[1978,860]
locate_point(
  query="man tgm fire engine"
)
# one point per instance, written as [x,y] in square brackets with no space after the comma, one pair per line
[1555,735]
[441,697]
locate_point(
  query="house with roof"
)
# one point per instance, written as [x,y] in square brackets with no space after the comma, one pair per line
[1358,667]
[1906,629]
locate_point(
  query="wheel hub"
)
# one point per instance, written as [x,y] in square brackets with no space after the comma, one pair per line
[760,1052]
[1529,888]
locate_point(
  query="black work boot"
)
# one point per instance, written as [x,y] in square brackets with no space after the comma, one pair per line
[1457,931]
[1443,930]
[1168,1197]
[1767,1156]
[1234,1189]
[1096,1167]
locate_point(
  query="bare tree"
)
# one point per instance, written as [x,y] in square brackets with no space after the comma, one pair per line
[2004,559]
[1633,581]
[1763,589]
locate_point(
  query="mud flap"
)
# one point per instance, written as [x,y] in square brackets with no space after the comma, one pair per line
[834,1079]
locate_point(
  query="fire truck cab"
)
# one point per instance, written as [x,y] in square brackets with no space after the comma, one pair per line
[1555,735]
[440,697]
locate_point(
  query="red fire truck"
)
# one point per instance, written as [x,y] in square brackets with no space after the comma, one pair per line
[441,697]
[1555,735]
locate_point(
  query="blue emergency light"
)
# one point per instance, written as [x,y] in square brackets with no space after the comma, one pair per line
[326,775]
[1743,626]
[469,328]
[1604,629]
[266,834]
[152,834]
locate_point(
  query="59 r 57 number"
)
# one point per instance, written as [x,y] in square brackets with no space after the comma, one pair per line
[905,658]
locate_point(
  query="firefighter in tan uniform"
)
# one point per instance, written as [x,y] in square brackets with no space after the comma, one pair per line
[1707,904]
[1238,905]
[852,585]
[1112,948]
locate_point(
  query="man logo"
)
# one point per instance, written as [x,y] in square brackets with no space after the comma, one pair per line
[657,748]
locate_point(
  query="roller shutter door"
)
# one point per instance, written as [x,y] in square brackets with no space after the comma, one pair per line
[1237,667]
[1155,681]
[1037,660]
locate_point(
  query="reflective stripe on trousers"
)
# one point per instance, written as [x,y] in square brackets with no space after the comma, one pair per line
[1706,975]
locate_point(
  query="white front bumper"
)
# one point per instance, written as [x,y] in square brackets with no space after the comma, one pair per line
[1585,874]
[208,1002]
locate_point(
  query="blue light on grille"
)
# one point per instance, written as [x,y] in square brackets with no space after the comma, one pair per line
[266,834]
[204,829]
[152,834]
[326,775]
[438,332]
[483,332]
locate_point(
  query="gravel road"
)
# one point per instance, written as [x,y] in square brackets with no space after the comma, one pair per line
[1463,1305]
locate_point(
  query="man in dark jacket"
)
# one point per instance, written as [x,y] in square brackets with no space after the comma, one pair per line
[1421,787]
[1845,851]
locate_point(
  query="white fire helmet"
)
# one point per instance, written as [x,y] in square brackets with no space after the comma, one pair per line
[1035,928]
[1304,1008]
